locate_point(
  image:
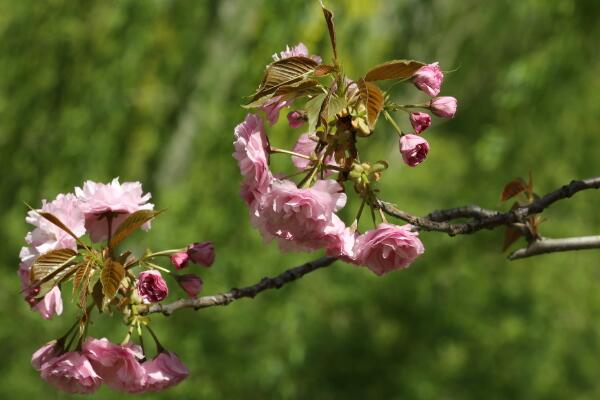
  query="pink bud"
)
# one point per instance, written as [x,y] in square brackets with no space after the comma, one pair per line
[444,107]
[420,121]
[202,253]
[180,260]
[429,79]
[414,149]
[151,286]
[192,284]
[296,119]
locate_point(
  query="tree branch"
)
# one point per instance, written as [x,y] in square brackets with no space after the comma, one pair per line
[483,218]
[223,299]
[546,245]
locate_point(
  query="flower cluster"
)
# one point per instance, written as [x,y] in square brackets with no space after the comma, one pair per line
[337,111]
[75,238]
[120,367]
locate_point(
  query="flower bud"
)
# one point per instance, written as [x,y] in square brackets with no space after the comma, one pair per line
[296,118]
[191,284]
[152,287]
[420,121]
[429,79]
[202,253]
[444,107]
[180,260]
[414,149]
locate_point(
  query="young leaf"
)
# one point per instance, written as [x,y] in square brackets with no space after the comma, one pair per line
[49,265]
[511,236]
[131,224]
[111,277]
[335,106]
[82,275]
[331,28]
[313,109]
[395,69]
[324,69]
[97,295]
[284,72]
[372,98]
[85,287]
[513,188]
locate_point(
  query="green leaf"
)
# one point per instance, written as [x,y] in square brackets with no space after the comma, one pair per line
[372,97]
[284,72]
[131,224]
[313,109]
[335,106]
[395,69]
[111,277]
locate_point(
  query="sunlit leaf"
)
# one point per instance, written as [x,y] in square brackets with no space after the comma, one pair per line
[324,69]
[335,106]
[513,188]
[395,69]
[52,265]
[313,108]
[131,224]
[284,72]
[82,273]
[372,98]
[112,274]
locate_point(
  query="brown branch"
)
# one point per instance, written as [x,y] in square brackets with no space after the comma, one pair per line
[546,245]
[223,299]
[483,218]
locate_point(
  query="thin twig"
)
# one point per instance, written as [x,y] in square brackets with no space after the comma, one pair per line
[223,299]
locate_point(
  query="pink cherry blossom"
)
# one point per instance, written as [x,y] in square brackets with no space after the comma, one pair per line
[298,217]
[388,247]
[44,354]
[122,199]
[118,365]
[298,50]
[420,121]
[51,304]
[164,371]
[444,106]
[71,372]
[272,107]
[306,146]
[429,79]
[180,260]
[191,284]
[252,154]
[296,119]
[339,240]
[151,286]
[414,149]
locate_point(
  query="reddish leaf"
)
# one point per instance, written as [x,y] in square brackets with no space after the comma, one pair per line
[511,236]
[513,188]
[372,98]
[395,69]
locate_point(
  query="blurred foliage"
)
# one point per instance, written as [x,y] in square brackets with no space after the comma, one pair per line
[150,91]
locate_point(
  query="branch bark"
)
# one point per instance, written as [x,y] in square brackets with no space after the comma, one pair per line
[223,299]
[546,245]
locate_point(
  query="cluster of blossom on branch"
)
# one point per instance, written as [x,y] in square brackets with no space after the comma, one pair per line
[76,239]
[337,113]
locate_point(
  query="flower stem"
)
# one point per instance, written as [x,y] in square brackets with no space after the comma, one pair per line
[387,116]
[273,150]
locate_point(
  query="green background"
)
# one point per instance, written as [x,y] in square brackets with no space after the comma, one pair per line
[150,91]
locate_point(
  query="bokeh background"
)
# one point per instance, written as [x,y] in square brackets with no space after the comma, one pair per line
[150,91]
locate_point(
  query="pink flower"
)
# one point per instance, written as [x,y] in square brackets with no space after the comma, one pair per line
[429,79]
[296,119]
[151,286]
[122,199]
[180,260]
[298,50]
[71,372]
[51,304]
[388,247]
[46,236]
[298,217]
[202,253]
[420,121]
[305,145]
[272,107]
[164,371]
[117,365]
[252,153]
[444,107]
[414,149]
[191,284]
[44,354]
[339,240]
